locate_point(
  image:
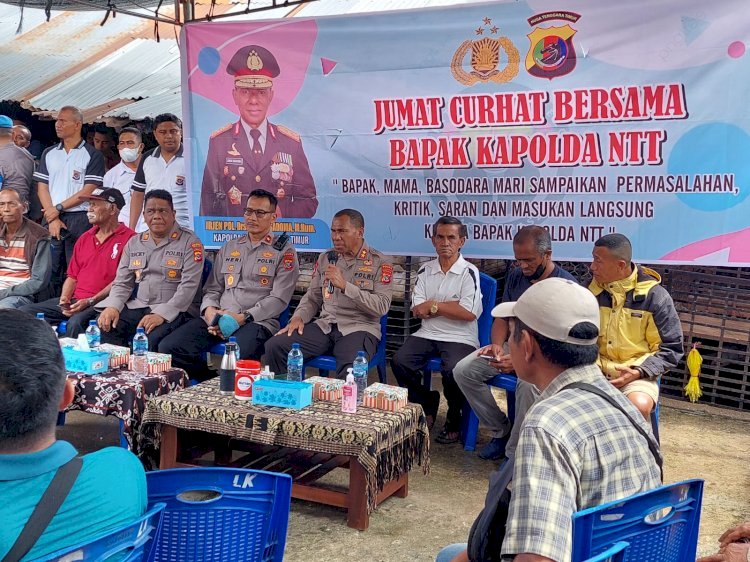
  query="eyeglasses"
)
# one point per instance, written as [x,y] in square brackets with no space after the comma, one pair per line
[261,214]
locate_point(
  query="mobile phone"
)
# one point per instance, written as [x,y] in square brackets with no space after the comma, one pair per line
[64,233]
[215,321]
[488,357]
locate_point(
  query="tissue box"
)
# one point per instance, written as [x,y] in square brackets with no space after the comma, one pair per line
[157,362]
[89,362]
[68,342]
[285,394]
[117,355]
[385,397]
[329,390]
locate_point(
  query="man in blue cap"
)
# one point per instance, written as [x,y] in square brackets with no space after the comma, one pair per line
[16,164]
[254,153]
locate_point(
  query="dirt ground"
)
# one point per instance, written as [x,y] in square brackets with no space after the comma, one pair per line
[698,442]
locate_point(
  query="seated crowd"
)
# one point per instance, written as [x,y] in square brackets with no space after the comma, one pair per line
[616,337]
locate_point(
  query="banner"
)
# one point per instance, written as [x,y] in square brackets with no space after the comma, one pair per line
[587,120]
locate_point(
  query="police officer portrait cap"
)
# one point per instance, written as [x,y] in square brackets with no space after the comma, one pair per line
[253,67]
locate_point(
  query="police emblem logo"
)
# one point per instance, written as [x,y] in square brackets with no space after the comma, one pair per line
[264,281]
[368,262]
[485,57]
[172,274]
[137,263]
[264,269]
[267,254]
[386,274]
[179,180]
[230,268]
[551,53]
[289,260]
[76,175]
[230,280]
[171,263]
[235,253]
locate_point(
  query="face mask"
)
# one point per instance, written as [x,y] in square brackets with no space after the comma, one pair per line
[538,272]
[129,154]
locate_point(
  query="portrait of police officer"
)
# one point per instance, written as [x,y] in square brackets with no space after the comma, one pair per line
[158,278]
[254,153]
[251,284]
[339,315]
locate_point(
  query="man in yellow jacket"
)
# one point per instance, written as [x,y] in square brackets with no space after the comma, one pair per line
[641,335]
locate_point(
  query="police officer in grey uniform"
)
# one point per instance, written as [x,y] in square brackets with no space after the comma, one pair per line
[157,280]
[351,289]
[253,152]
[252,282]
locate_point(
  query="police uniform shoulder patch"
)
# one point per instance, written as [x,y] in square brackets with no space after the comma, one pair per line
[288,132]
[224,129]
[386,273]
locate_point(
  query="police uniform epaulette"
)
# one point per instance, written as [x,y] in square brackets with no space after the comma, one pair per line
[288,132]
[224,129]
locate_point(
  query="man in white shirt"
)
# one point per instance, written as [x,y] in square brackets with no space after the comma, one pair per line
[163,167]
[448,300]
[68,171]
[130,146]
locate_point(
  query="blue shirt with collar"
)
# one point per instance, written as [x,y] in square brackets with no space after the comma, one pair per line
[110,490]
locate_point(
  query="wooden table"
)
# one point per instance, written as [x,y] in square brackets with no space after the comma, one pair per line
[378,448]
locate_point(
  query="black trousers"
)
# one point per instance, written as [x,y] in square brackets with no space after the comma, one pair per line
[314,342]
[408,367]
[187,343]
[123,334]
[62,250]
[77,323]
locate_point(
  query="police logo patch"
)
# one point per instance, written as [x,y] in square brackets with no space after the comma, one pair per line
[179,180]
[264,269]
[76,175]
[230,280]
[171,263]
[171,273]
[235,253]
[267,254]
[264,281]
[386,274]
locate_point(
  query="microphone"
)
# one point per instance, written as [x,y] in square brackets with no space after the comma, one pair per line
[333,257]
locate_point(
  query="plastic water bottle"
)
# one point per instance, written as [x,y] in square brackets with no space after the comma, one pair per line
[140,351]
[294,364]
[93,335]
[40,316]
[233,340]
[228,369]
[360,368]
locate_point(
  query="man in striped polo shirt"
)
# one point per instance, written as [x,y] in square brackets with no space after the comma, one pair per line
[24,252]
[67,171]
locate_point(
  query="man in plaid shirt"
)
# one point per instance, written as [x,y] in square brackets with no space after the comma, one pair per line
[575,450]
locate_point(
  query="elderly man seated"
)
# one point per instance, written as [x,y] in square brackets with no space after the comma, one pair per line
[25,260]
[95,492]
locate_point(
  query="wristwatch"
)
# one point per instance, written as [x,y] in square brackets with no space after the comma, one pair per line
[434,308]
[59,208]
[249,318]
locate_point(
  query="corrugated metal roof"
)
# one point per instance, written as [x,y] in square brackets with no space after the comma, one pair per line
[168,102]
[140,69]
[116,71]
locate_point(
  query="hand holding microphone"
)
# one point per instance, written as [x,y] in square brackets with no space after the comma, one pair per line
[333,258]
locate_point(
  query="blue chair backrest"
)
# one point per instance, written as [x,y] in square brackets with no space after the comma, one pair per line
[132,542]
[660,525]
[488,285]
[221,513]
[615,554]
[379,357]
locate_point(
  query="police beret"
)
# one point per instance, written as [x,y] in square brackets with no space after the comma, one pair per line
[253,67]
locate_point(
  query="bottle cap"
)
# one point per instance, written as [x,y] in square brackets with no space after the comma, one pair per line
[350,377]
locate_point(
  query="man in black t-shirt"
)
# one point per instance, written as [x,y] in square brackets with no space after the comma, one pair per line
[532,248]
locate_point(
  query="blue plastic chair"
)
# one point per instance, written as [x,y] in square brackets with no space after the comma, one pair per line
[219,348]
[232,514]
[326,363]
[134,541]
[488,286]
[616,553]
[660,525]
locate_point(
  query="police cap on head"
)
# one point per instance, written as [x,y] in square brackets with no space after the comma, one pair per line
[253,67]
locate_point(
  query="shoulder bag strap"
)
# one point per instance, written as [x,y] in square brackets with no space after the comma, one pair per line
[45,510]
[652,445]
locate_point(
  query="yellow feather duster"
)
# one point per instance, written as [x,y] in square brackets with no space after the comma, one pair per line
[694,361]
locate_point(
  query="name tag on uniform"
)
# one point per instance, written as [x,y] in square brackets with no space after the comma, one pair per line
[233,161]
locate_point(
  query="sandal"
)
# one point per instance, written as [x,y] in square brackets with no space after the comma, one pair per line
[446,437]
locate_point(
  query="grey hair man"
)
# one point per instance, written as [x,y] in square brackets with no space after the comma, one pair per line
[532,248]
